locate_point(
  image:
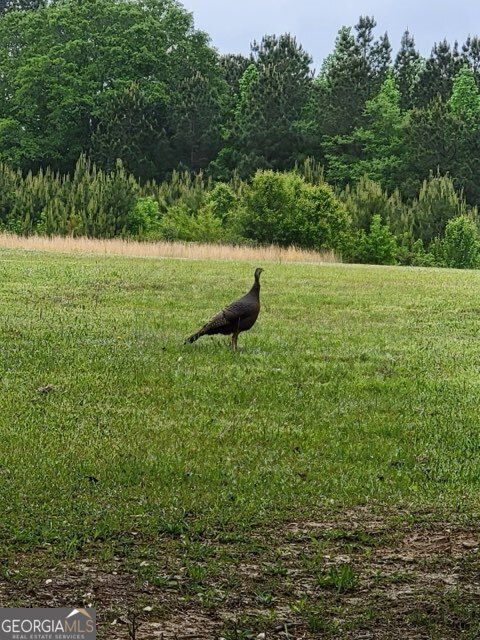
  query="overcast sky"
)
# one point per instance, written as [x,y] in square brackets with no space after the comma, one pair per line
[233,24]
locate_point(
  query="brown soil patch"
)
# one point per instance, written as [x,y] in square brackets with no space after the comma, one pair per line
[357,577]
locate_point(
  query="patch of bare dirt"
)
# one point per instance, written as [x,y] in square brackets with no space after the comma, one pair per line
[361,576]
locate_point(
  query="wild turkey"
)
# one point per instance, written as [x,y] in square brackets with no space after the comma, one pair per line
[239,316]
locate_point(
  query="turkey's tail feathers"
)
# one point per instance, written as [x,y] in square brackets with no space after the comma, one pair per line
[194,337]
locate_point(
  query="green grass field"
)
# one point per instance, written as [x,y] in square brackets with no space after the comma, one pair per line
[358,390]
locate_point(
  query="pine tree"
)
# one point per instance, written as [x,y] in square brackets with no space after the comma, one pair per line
[464,102]
[437,203]
[429,145]
[233,67]
[131,127]
[197,122]
[436,79]
[464,133]
[376,53]
[351,75]
[366,198]
[273,93]
[471,55]
[407,68]
[382,136]
[9,185]
[377,145]
[342,87]
[120,194]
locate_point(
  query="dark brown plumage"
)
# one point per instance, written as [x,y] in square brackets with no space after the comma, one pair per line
[239,316]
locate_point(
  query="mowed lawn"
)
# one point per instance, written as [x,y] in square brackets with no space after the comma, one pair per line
[357,386]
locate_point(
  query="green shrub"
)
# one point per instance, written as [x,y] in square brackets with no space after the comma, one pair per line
[411,252]
[379,245]
[416,256]
[144,220]
[322,221]
[437,253]
[281,208]
[461,243]
[180,224]
[426,259]
[176,223]
[268,206]
[407,248]
[221,200]
[207,227]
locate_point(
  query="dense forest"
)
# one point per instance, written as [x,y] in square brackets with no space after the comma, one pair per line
[118,117]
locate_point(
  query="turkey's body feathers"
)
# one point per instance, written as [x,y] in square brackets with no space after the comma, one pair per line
[238,316]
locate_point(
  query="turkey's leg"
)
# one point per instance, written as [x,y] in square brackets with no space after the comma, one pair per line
[234,341]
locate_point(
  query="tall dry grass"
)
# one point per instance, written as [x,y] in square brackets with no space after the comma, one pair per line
[187,251]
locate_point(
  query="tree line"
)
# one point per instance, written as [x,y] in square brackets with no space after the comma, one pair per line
[396,139]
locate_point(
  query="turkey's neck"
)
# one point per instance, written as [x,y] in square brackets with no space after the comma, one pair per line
[256,286]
